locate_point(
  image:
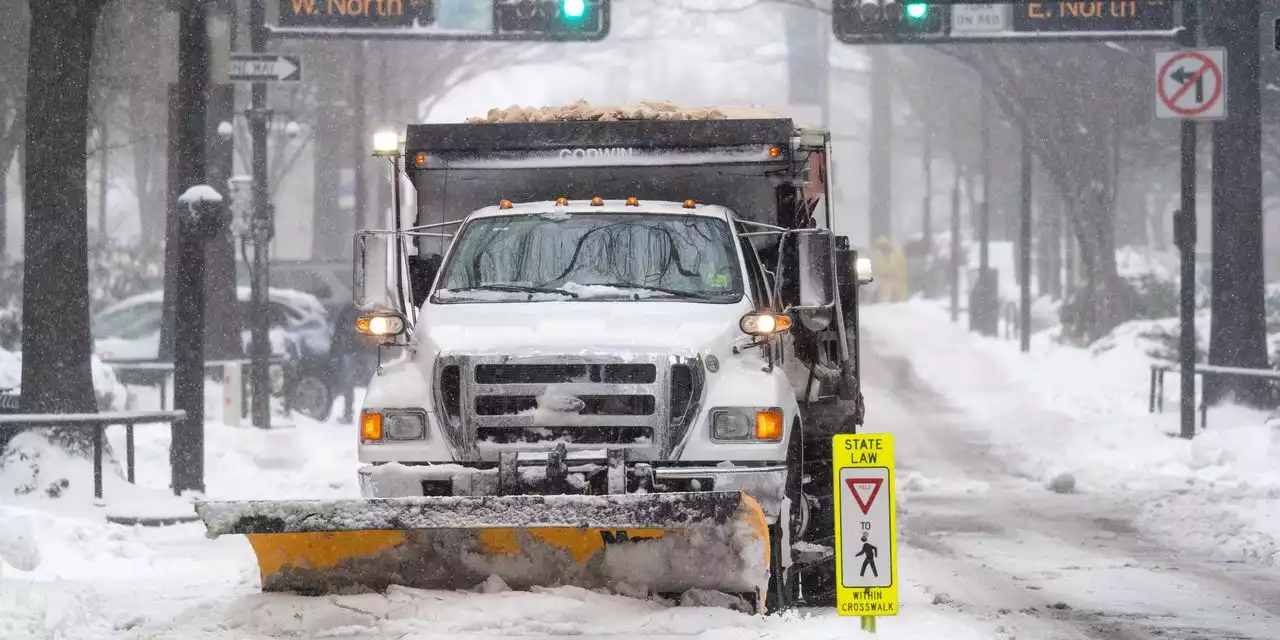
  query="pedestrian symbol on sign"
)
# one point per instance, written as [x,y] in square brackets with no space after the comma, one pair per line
[869,550]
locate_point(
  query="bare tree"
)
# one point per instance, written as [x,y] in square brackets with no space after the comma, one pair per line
[56,376]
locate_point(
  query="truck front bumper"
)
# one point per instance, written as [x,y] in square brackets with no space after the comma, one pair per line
[766,483]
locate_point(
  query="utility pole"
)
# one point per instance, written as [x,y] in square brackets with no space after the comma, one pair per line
[984,299]
[954,274]
[880,160]
[102,181]
[926,221]
[359,99]
[186,451]
[262,230]
[1024,245]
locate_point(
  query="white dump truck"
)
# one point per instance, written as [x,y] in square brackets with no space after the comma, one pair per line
[613,355]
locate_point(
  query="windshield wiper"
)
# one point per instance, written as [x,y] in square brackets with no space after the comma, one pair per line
[679,293]
[515,288]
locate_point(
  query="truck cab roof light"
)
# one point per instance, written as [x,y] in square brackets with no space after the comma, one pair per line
[386,143]
[505,204]
[774,152]
[633,202]
[420,159]
[689,204]
[597,201]
[562,202]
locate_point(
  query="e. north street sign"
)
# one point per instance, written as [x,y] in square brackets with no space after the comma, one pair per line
[942,21]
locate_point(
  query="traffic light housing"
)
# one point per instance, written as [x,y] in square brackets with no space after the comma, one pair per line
[889,21]
[553,19]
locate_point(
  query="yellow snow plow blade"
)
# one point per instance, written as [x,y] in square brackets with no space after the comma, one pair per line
[665,543]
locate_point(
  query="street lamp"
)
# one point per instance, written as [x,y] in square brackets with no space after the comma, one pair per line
[225,130]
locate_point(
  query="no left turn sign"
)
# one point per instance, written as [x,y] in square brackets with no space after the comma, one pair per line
[1191,84]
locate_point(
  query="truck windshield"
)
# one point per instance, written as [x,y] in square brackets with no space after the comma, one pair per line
[591,257]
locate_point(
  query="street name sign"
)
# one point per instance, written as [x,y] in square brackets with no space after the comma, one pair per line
[265,67]
[1191,84]
[543,20]
[866,525]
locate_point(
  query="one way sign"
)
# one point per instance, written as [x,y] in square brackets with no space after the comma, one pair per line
[265,67]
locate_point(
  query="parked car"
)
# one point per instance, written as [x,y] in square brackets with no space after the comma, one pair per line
[300,333]
[328,281]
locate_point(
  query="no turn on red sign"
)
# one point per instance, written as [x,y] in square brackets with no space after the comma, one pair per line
[1191,84]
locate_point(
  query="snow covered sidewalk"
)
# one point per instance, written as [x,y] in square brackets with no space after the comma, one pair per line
[1073,414]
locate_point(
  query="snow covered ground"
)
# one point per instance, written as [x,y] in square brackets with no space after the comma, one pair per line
[1157,537]
[1064,411]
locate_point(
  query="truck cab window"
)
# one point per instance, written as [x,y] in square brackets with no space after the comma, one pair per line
[755,272]
[633,256]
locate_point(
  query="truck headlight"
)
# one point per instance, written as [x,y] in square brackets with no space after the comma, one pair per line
[744,423]
[393,424]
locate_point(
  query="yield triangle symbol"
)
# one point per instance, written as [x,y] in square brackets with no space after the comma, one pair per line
[875,483]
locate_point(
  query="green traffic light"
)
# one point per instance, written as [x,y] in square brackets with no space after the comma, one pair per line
[573,9]
[917,11]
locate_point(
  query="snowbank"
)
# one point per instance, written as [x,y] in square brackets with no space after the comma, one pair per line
[1063,410]
[110,393]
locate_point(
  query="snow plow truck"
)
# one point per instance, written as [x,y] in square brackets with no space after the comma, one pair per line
[613,353]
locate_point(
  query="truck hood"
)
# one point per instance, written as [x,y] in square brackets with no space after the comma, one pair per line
[579,327]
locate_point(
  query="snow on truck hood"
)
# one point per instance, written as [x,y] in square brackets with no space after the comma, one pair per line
[579,326]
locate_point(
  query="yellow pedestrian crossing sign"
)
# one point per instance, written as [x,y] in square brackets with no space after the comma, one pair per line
[866,525]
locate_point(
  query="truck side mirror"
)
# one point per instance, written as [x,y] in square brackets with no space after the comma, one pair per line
[816,253]
[815,278]
[380,278]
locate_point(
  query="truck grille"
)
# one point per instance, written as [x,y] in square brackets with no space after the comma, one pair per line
[645,403]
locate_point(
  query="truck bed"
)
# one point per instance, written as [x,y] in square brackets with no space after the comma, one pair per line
[640,134]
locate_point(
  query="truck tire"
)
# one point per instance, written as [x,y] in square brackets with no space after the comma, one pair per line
[817,580]
[783,586]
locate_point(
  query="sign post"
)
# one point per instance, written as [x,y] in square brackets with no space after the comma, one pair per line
[1190,85]
[865,527]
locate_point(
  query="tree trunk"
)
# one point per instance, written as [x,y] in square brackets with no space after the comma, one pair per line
[56,376]
[1238,333]
[880,161]
[147,125]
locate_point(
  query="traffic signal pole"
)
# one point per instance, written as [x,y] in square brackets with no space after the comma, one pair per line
[261,230]
[1184,225]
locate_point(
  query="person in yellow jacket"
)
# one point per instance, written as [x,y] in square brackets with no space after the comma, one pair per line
[890,266]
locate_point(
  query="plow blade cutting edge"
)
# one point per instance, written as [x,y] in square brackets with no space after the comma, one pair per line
[665,543]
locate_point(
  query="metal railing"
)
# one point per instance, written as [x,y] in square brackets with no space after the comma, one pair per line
[161,371]
[1156,395]
[99,423]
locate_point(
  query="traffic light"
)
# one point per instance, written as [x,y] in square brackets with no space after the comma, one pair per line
[888,21]
[553,19]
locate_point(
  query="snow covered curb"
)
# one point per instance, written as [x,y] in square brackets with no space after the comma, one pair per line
[1061,410]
